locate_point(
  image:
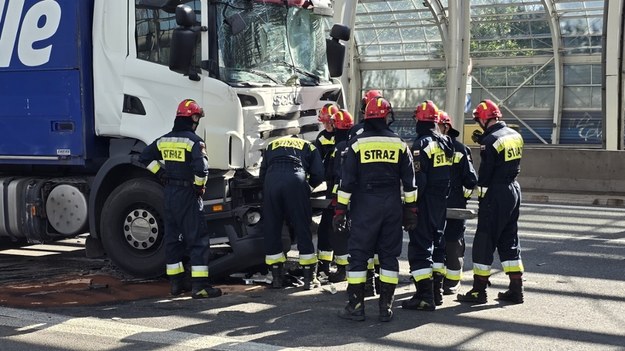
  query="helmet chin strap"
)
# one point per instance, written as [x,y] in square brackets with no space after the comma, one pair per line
[196,121]
[390,118]
[486,124]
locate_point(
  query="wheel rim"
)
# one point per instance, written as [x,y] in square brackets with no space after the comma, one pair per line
[141,229]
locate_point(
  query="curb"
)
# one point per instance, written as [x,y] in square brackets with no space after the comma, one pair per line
[575,199]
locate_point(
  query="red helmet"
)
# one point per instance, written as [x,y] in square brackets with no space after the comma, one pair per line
[427,112]
[343,120]
[327,111]
[443,118]
[188,108]
[377,108]
[369,95]
[486,110]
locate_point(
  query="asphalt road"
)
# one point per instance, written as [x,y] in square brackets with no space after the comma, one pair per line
[574,258]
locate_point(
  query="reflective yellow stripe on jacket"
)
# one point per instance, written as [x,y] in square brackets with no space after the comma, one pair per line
[289,142]
[173,148]
[325,141]
[379,149]
[154,166]
[511,145]
[437,154]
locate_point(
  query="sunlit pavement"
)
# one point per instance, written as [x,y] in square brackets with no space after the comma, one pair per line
[574,258]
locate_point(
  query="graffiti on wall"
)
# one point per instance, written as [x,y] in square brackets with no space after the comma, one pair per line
[587,128]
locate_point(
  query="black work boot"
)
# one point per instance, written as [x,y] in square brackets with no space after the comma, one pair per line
[514,294]
[369,284]
[180,283]
[202,289]
[323,267]
[477,295]
[339,276]
[277,274]
[450,286]
[437,288]
[423,299]
[310,276]
[387,292]
[355,309]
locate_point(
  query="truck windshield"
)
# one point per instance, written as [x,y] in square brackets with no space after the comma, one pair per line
[268,43]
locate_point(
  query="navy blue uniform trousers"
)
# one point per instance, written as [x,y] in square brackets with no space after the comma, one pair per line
[184,229]
[497,224]
[427,244]
[286,196]
[376,219]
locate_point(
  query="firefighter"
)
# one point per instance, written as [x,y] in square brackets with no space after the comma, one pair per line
[499,196]
[290,167]
[184,176]
[377,163]
[325,144]
[372,285]
[433,153]
[463,180]
[342,121]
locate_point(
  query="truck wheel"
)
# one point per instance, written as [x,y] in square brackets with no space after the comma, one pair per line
[132,228]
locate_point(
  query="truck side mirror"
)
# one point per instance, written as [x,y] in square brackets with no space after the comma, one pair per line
[335,50]
[183,43]
[185,17]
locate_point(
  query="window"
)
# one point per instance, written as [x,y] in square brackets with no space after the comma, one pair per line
[154,28]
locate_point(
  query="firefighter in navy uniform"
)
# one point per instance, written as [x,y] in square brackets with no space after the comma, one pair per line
[184,176]
[325,144]
[342,121]
[377,163]
[290,167]
[433,153]
[372,285]
[499,196]
[463,181]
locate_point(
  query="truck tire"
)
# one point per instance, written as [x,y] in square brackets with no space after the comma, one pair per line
[132,228]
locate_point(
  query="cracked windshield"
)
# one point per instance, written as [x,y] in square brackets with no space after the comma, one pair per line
[265,43]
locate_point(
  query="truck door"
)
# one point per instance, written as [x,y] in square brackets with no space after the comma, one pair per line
[151,91]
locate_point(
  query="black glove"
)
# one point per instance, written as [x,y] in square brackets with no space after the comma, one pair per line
[199,190]
[339,221]
[476,136]
[409,221]
[160,174]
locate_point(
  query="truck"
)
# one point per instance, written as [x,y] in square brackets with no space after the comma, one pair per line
[86,84]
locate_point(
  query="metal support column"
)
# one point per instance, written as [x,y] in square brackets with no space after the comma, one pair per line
[556,39]
[457,58]
[613,128]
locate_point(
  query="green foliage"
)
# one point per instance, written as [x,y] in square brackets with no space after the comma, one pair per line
[504,31]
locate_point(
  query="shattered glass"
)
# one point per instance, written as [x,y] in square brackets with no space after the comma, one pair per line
[255,38]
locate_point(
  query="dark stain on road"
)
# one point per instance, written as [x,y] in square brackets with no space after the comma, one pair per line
[60,275]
